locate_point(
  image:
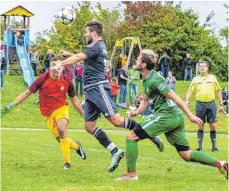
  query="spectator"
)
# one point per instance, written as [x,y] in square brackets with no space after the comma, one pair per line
[123,58]
[188,67]
[68,71]
[34,59]
[3,64]
[171,81]
[78,74]
[48,57]
[107,74]
[139,100]
[122,81]
[19,38]
[164,61]
[114,88]
[205,86]
[134,77]
[225,98]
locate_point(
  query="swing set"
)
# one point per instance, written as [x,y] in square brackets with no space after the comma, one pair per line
[124,44]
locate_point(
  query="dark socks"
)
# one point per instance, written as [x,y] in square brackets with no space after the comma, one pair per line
[213,139]
[200,135]
[103,139]
[130,123]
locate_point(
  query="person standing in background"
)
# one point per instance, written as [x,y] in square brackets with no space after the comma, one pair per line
[78,74]
[48,57]
[134,77]
[164,61]
[188,67]
[171,81]
[34,59]
[205,86]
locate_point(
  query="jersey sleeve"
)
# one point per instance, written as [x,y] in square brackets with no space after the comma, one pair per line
[71,90]
[217,86]
[92,51]
[38,82]
[160,84]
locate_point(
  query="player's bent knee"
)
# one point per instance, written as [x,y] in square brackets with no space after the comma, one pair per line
[132,136]
[140,133]
[185,155]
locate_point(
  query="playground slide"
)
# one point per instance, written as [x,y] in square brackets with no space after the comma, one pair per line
[25,63]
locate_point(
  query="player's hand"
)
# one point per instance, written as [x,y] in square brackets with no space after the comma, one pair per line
[132,114]
[6,109]
[195,119]
[64,53]
[186,102]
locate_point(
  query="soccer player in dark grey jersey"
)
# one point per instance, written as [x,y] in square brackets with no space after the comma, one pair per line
[98,97]
[168,119]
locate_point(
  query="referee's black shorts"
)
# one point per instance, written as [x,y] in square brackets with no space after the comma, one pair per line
[206,111]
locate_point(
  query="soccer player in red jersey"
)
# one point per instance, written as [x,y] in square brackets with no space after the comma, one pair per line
[53,87]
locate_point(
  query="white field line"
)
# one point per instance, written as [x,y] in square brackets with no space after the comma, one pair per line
[170,162]
[78,130]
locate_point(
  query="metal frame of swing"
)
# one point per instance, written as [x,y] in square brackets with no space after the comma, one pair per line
[120,44]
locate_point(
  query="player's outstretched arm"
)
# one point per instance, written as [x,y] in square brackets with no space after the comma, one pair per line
[171,95]
[77,105]
[17,101]
[188,96]
[73,59]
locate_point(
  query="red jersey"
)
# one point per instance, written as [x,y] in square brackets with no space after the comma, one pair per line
[79,70]
[52,93]
[115,88]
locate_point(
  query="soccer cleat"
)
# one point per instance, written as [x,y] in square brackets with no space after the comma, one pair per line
[198,149]
[80,151]
[160,145]
[127,177]
[215,150]
[224,169]
[67,166]
[115,159]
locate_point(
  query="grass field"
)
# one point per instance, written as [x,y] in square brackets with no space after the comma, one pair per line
[27,114]
[32,161]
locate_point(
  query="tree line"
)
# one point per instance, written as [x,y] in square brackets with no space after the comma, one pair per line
[160,27]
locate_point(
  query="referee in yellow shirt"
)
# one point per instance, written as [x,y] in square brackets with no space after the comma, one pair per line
[205,86]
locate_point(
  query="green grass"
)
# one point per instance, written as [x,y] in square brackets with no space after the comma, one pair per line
[27,114]
[32,161]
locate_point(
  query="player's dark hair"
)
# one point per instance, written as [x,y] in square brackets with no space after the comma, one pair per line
[53,59]
[148,57]
[95,26]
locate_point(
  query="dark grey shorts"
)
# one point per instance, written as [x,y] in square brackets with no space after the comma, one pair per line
[206,110]
[98,100]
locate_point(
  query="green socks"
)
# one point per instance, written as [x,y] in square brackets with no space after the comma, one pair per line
[131,155]
[202,158]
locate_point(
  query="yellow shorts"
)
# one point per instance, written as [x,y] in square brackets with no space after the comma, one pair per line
[51,120]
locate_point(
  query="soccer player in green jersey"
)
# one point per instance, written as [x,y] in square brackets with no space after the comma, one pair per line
[168,119]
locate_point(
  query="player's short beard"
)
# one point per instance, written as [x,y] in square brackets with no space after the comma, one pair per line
[89,41]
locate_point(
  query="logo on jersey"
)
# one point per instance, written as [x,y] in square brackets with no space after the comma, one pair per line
[104,51]
[62,88]
[161,87]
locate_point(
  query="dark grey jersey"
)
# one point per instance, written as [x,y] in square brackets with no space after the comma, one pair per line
[94,65]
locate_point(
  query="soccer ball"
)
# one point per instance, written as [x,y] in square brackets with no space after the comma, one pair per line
[66,15]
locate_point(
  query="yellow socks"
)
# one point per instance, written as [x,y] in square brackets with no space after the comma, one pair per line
[73,145]
[65,147]
[66,144]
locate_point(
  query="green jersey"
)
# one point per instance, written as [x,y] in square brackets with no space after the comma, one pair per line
[156,88]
